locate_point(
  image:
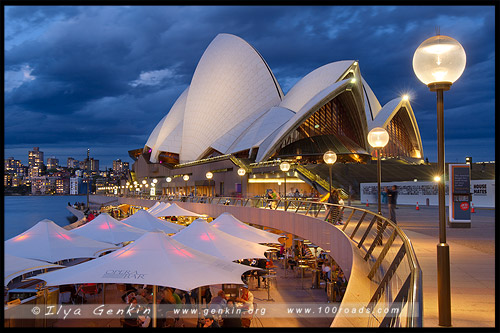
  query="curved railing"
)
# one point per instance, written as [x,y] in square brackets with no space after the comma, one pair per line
[396,295]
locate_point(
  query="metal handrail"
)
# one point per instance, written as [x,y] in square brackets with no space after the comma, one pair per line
[367,233]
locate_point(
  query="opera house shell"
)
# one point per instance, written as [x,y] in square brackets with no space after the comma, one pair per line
[234,105]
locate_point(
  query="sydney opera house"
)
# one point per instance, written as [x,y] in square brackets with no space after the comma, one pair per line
[234,116]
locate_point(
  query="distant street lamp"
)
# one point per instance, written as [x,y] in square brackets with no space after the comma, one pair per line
[241,173]
[186,178]
[285,166]
[209,176]
[168,179]
[438,62]
[378,139]
[330,158]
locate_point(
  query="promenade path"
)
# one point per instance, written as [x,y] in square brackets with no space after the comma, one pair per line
[472,263]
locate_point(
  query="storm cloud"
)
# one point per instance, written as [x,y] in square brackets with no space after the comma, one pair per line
[102,77]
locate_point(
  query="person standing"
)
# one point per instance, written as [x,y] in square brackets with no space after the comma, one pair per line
[384,195]
[333,210]
[392,196]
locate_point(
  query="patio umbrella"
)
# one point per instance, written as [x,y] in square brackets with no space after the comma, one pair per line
[157,206]
[144,220]
[104,228]
[49,242]
[154,259]
[174,210]
[229,224]
[200,235]
[16,266]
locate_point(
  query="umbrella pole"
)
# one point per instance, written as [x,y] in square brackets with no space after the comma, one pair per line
[199,304]
[155,290]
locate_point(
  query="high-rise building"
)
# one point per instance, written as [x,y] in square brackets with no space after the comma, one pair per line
[119,166]
[12,166]
[35,162]
[52,163]
[77,186]
[72,163]
[62,186]
[94,165]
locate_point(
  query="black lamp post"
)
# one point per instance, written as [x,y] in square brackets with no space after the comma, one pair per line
[438,62]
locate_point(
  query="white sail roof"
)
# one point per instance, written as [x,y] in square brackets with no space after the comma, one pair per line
[314,82]
[231,81]
[299,117]
[49,242]
[160,139]
[234,91]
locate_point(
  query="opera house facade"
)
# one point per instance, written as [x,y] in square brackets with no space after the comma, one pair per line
[234,116]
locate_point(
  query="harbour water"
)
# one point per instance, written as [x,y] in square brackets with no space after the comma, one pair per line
[23,212]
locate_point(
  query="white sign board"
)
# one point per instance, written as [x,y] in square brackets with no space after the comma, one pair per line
[426,193]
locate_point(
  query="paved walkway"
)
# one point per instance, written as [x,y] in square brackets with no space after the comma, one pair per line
[472,264]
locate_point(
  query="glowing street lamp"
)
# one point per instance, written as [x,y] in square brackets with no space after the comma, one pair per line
[209,176]
[186,178]
[285,166]
[378,139]
[241,173]
[168,179]
[438,62]
[330,158]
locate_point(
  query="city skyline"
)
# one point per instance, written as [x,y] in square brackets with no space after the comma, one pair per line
[114,80]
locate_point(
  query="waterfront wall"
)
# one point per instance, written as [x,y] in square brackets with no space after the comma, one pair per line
[409,193]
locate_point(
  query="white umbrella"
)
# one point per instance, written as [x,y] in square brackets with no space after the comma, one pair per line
[154,206]
[16,266]
[49,242]
[157,207]
[154,259]
[174,210]
[205,238]
[144,220]
[104,228]
[231,225]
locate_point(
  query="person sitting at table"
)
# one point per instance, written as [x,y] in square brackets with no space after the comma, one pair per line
[327,269]
[166,311]
[233,316]
[340,285]
[246,298]
[261,264]
[131,316]
[128,290]
[142,296]
[210,322]
[219,301]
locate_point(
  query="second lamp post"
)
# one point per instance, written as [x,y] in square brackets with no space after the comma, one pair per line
[378,139]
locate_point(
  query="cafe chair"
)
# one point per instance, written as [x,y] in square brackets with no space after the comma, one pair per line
[89,289]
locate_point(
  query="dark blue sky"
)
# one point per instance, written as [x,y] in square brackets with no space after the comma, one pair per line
[102,77]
